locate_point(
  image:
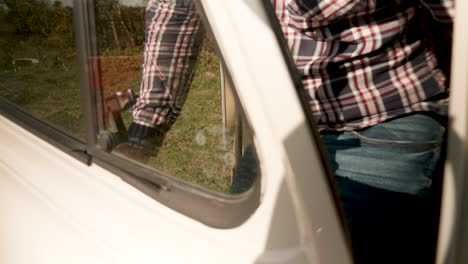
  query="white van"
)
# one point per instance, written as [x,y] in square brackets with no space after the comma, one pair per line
[66,198]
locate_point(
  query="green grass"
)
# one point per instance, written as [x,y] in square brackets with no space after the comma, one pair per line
[48,89]
[193,148]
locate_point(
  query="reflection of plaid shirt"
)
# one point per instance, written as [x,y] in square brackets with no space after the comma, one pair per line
[172,44]
[361,61]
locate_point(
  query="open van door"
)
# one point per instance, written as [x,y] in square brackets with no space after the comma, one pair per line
[453,229]
[67,200]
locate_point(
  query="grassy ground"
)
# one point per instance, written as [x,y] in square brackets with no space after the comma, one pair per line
[49,89]
[193,148]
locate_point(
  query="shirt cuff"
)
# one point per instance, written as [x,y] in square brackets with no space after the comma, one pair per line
[150,139]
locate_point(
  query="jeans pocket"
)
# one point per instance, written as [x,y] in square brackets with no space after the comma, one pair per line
[400,155]
[415,131]
[397,143]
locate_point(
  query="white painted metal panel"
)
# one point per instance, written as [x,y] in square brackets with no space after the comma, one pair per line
[268,95]
[31,232]
[89,211]
[89,215]
[453,232]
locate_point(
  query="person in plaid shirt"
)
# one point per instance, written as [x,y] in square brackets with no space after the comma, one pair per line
[374,86]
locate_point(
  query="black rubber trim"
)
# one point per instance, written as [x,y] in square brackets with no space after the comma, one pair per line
[83,19]
[46,131]
[302,95]
[214,209]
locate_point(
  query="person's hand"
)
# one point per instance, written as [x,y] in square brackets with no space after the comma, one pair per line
[133,152]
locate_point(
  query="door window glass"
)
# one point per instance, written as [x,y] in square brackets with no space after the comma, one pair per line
[38,61]
[166,102]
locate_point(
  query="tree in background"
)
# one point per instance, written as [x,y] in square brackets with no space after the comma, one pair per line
[37,17]
[117,26]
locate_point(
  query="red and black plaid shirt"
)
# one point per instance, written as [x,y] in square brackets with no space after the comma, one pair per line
[361,61]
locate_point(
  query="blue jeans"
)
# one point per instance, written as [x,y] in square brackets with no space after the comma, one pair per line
[385,176]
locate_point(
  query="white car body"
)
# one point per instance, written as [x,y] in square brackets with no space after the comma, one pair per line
[56,209]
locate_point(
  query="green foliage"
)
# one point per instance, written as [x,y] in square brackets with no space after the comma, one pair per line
[205,163]
[48,87]
[37,17]
[118,27]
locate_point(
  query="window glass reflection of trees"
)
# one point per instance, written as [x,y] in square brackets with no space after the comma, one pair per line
[38,65]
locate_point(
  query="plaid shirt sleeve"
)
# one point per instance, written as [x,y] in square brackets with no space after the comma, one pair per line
[363,62]
[172,44]
[441,10]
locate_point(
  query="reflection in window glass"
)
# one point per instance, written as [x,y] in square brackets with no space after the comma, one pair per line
[38,65]
[182,117]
